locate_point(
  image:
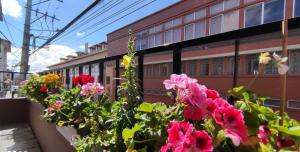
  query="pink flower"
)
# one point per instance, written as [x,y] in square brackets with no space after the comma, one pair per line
[263,134]
[178,81]
[193,112]
[58,104]
[195,95]
[50,110]
[200,141]
[92,89]
[221,102]
[178,132]
[213,94]
[281,143]
[166,148]
[232,120]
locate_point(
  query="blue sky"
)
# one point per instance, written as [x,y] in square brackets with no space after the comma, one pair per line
[14,13]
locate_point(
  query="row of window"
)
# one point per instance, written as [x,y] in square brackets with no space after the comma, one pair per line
[292,104]
[217,66]
[194,25]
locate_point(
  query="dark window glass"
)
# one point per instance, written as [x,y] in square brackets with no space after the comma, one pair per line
[252,64]
[155,70]
[273,10]
[218,66]
[253,15]
[294,62]
[297,8]
[204,68]
[192,68]
[164,69]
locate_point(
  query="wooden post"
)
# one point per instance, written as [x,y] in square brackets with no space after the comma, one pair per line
[284,54]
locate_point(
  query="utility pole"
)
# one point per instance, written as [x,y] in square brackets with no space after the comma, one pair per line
[26,41]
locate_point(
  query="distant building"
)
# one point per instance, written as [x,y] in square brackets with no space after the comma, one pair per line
[94,52]
[5,46]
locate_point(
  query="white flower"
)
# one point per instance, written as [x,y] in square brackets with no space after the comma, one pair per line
[264,58]
[280,63]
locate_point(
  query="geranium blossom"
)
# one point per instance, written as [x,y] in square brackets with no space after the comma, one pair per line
[82,79]
[195,94]
[200,141]
[263,133]
[92,89]
[232,120]
[213,94]
[57,105]
[43,88]
[178,81]
[281,143]
[193,112]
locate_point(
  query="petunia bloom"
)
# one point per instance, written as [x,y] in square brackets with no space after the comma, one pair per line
[57,105]
[232,120]
[90,89]
[280,63]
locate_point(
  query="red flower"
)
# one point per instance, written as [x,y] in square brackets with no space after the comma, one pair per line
[193,112]
[50,110]
[232,120]
[178,132]
[281,143]
[82,79]
[57,105]
[200,141]
[263,134]
[43,88]
[213,94]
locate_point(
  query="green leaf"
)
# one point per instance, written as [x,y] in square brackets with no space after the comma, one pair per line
[129,133]
[146,107]
[292,131]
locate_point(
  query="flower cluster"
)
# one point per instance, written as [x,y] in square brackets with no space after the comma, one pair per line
[90,89]
[278,61]
[201,103]
[52,78]
[56,106]
[82,79]
[183,137]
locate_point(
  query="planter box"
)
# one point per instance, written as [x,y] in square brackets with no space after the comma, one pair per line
[51,138]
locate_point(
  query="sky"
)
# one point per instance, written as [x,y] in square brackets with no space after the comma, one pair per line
[106,17]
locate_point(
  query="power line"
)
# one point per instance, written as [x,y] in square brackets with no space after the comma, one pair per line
[91,16]
[93,32]
[9,32]
[68,25]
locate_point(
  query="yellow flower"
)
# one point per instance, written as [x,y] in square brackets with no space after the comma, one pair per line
[52,79]
[264,58]
[126,61]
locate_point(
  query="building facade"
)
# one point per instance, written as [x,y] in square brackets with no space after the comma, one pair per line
[212,64]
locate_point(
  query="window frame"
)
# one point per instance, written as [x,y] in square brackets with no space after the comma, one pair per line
[294,8]
[288,104]
[272,105]
[184,32]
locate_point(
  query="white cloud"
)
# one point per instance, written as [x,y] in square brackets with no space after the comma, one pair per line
[11,8]
[80,33]
[41,59]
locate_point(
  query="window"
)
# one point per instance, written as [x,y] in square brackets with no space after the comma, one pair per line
[183,67]
[273,10]
[152,30]
[200,14]
[151,41]
[271,69]
[252,64]
[176,22]
[158,39]
[230,67]
[272,103]
[168,25]
[216,24]
[293,104]
[216,8]
[294,62]
[148,70]
[142,40]
[253,15]
[189,18]
[155,70]
[177,35]
[231,21]
[204,67]
[249,1]
[189,31]
[200,29]
[164,69]
[228,4]
[158,28]
[168,36]
[218,66]
[191,68]
[296,8]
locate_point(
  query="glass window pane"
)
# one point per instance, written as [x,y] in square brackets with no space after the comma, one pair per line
[249,1]
[216,25]
[151,40]
[144,43]
[158,28]
[200,14]
[177,35]
[158,39]
[152,30]
[176,22]
[216,8]
[294,62]
[189,31]
[273,11]
[204,67]
[168,36]
[168,24]
[189,18]
[218,66]
[191,68]
[297,8]
[231,21]
[252,64]
[228,4]
[253,15]
[200,29]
